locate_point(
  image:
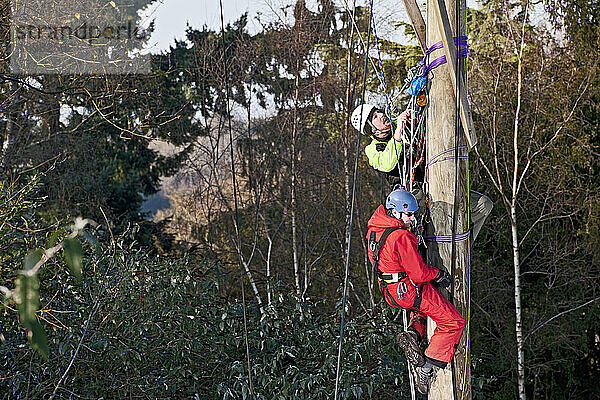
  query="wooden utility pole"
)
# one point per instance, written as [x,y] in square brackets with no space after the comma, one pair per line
[442,129]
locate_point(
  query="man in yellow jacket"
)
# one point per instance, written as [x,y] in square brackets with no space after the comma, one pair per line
[385,151]
[385,148]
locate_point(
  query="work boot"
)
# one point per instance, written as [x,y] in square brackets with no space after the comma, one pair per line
[409,343]
[423,378]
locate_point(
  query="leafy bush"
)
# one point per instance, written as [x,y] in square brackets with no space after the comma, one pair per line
[151,327]
[18,228]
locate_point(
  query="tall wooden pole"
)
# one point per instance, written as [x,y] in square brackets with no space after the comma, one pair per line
[446,178]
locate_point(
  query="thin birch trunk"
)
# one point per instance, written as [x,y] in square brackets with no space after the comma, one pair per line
[8,136]
[254,288]
[513,222]
[271,240]
[293,188]
[306,270]
[268,272]
[246,263]
[518,177]
[346,137]
[518,323]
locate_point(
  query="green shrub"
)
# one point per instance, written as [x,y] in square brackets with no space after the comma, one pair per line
[149,327]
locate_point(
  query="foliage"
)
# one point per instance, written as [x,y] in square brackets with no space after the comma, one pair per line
[558,271]
[18,202]
[101,136]
[153,327]
[25,295]
[140,325]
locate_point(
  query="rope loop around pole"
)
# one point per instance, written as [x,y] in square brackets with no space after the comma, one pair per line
[461,237]
[461,53]
[437,158]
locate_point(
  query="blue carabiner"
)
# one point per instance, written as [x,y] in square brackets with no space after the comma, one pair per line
[417,84]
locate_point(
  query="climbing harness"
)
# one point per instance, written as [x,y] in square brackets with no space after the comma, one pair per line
[388,278]
[383,278]
[375,246]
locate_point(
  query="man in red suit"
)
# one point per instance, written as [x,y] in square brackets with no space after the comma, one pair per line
[406,282]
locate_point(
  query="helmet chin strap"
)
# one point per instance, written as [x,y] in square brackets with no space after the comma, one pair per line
[381,132]
[375,131]
[387,133]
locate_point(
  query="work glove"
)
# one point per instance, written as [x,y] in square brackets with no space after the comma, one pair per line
[443,279]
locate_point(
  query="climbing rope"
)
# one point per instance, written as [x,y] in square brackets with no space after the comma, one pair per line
[349,241]
[387,102]
[468,279]
[406,175]
[456,165]
[411,379]
[362,42]
[468,319]
[381,72]
[438,158]
[235,202]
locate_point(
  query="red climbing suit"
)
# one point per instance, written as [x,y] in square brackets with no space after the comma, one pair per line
[400,254]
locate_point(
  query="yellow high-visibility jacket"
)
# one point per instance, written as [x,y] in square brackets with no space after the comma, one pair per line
[384,155]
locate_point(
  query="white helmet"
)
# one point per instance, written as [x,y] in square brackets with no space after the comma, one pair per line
[360,115]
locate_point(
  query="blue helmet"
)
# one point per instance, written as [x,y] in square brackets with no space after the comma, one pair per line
[401,201]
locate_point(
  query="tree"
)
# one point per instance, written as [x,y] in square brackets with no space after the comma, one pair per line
[526,116]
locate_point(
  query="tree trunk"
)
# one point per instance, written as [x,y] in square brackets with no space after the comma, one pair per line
[268,273]
[254,288]
[518,323]
[346,134]
[9,135]
[268,261]
[293,185]
[513,223]
[445,181]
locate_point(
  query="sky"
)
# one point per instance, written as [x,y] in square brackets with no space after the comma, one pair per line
[172,16]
